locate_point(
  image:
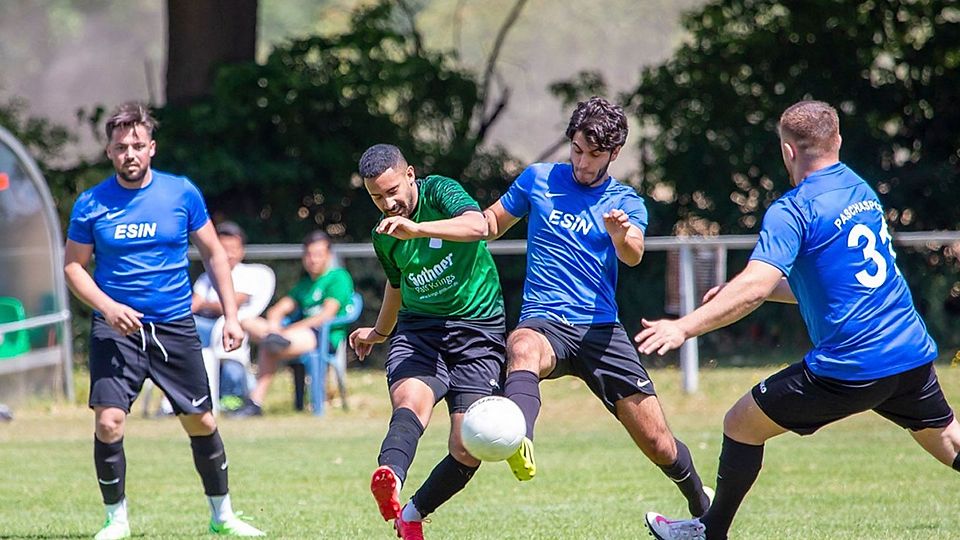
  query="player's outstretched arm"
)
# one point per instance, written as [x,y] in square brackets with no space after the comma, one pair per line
[498,220]
[736,300]
[469,226]
[122,318]
[363,339]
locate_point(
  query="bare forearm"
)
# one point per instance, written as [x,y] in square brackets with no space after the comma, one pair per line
[732,303]
[387,318]
[467,227]
[219,269]
[83,286]
[629,250]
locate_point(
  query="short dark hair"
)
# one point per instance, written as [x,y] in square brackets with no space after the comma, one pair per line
[313,237]
[602,123]
[229,228]
[378,158]
[131,113]
[813,125]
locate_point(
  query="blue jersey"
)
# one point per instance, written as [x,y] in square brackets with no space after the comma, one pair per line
[829,237]
[571,260]
[140,239]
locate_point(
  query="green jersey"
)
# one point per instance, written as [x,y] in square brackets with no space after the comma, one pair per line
[310,294]
[441,278]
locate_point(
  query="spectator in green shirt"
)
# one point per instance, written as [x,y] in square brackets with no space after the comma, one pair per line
[323,294]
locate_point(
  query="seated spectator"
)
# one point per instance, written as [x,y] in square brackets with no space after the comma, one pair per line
[252,298]
[320,296]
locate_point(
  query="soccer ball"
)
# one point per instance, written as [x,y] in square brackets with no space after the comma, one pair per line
[493,428]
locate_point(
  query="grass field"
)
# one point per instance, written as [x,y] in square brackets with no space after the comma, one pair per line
[305,477]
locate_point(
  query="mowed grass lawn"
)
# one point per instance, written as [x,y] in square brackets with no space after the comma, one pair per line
[305,477]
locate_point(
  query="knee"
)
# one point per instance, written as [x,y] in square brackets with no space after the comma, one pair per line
[524,350]
[460,454]
[109,427]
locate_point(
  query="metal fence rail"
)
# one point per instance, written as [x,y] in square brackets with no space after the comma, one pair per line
[685,245]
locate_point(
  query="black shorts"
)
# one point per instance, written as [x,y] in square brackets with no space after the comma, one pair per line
[797,400]
[167,352]
[460,360]
[599,354]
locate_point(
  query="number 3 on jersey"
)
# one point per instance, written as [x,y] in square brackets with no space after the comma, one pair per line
[870,253]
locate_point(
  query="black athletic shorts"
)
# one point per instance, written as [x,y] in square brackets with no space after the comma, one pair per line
[461,360]
[797,400]
[167,352]
[599,354]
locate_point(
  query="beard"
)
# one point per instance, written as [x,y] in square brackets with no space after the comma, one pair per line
[132,178]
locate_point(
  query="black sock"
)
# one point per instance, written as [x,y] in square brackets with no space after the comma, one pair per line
[111,465]
[684,474]
[956,463]
[211,461]
[523,388]
[400,444]
[739,467]
[445,481]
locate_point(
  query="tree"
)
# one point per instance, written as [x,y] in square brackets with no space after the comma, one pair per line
[709,113]
[708,117]
[277,144]
[202,35]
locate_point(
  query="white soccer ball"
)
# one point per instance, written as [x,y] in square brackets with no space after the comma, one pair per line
[493,428]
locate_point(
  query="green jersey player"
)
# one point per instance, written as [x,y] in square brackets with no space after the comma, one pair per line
[443,311]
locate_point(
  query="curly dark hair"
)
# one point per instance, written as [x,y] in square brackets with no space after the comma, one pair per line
[602,123]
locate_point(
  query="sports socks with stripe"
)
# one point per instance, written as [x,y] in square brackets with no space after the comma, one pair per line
[111,464]
[445,480]
[210,459]
[684,474]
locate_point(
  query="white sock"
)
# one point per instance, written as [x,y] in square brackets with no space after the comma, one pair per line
[220,508]
[118,511]
[410,512]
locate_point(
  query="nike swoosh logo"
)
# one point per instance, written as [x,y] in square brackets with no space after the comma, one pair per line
[111,215]
[224,466]
[108,482]
[552,195]
[196,402]
[642,384]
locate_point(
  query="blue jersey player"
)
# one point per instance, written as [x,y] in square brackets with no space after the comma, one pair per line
[582,223]
[137,223]
[825,246]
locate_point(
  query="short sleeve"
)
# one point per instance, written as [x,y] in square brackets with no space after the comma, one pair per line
[389,267]
[340,287]
[449,196]
[197,215]
[780,236]
[635,208]
[80,229]
[516,200]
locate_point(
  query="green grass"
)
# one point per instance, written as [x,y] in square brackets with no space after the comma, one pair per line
[306,477]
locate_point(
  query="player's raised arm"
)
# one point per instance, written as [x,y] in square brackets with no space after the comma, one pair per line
[627,238]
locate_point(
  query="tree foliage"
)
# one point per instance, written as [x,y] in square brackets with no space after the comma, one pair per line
[278,142]
[891,68]
[708,117]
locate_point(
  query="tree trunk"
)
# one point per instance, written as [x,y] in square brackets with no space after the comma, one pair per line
[201,35]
